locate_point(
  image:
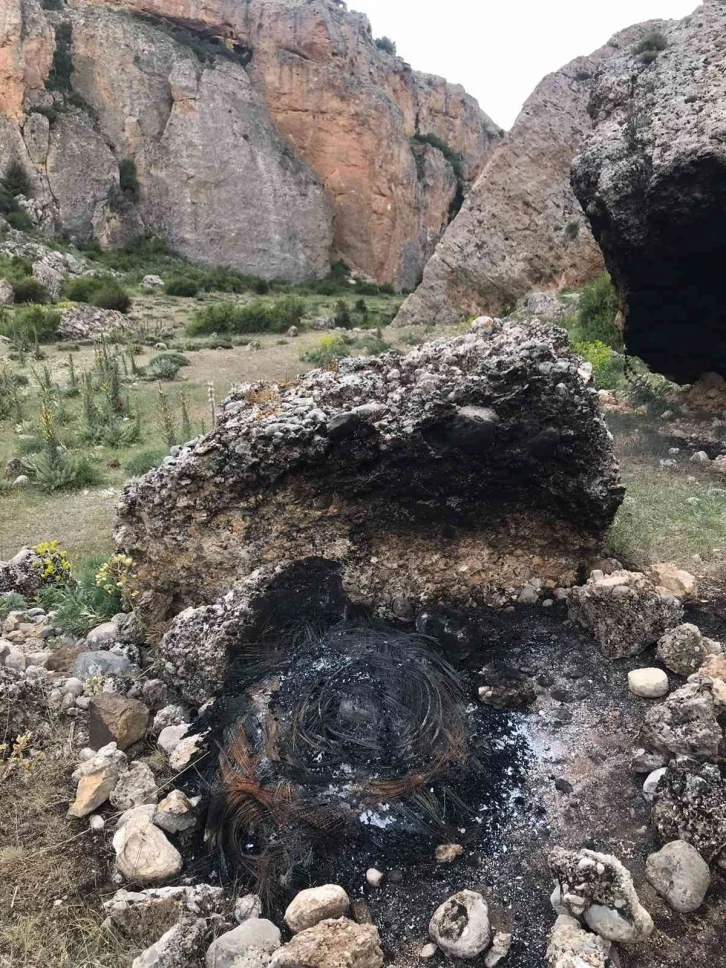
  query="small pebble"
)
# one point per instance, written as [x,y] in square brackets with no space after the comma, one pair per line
[428,951]
[374,877]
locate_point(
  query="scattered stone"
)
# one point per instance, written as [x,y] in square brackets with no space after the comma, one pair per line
[102,637]
[600,889]
[63,659]
[648,683]
[651,783]
[134,788]
[714,667]
[700,457]
[314,905]
[73,687]
[460,926]
[7,294]
[97,778]
[684,649]
[143,853]
[181,946]
[686,723]
[96,822]
[336,943]
[154,694]
[147,914]
[499,950]
[506,688]
[15,660]
[374,877]
[675,580]
[690,805]
[113,717]
[645,762]
[625,611]
[680,875]
[185,751]
[428,950]
[571,946]
[175,814]
[88,664]
[448,853]
[255,934]
[293,331]
[246,907]
[171,736]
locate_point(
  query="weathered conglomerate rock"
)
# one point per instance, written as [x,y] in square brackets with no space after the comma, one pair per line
[571,946]
[266,134]
[687,722]
[625,610]
[421,475]
[690,805]
[599,889]
[651,179]
[521,227]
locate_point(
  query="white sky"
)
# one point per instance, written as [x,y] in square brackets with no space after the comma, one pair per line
[501,50]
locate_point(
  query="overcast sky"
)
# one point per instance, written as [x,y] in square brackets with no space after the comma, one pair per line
[501,50]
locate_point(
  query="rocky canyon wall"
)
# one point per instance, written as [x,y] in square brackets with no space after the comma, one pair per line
[273,135]
[521,228]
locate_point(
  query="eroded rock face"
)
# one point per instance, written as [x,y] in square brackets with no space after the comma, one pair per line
[690,805]
[571,946]
[651,179]
[687,723]
[282,138]
[521,228]
[419,474]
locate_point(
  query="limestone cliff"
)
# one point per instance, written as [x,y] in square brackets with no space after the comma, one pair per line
[273,135]
[521,227]
[652,179]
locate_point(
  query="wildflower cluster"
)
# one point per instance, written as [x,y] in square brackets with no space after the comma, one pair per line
[113,575]
[54,563]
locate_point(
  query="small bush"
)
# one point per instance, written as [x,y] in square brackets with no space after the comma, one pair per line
[145,461]
[98,291]
[596,314]
[607,365]
[82,606]
[648,56]
[61,471]
[166,366]
[128,179]
[61,69]
[260,316]
[29,290]
[330,348]
[342,315]
[15,180]
[19,221]
[11,602]
[387,45]
[181,286]
[454,158]
[30,324]
[654,41]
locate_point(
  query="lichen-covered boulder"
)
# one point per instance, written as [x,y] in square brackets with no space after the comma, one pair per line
[684,649]
[690,805]
[598,889]
[421,475]
[651,180]
[625,611]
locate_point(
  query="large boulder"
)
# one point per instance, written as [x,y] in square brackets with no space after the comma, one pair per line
[146,915]
[652,181]
[680,875]
[85,322]
[422,475]
[687,722]
[334,943]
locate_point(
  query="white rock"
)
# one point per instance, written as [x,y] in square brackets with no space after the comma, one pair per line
[651,782]
[96,822]
[460,926]
[246,907]
[102,637]
[185,751]
[15,660]
[499,950]
[428,950]
[700,457]
[171,736]
[143,853]
[256,934]
[97,778]
[171,715]
[135,787]
[175,813]
[73,687]
[316,904]
[374,877]
[648,683]
[680,875]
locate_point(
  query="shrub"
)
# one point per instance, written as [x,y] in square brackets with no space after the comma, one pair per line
[98,291]
[453,157]
[29,324]
[654,41]
[128,179]
[16,180]
[61,69]
[14,269]
[262,315]
[596,314]
[29,290]
[19,221]
[145,461]
[61,471]
[181,286]
[607,365]
[342,315]
[11,602]
[82,606]
[330,348]
[166,366]
[387,45]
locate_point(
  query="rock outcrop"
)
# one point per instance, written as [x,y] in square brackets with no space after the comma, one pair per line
[420,474]
[266,134]
[521,228]
[651,179]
